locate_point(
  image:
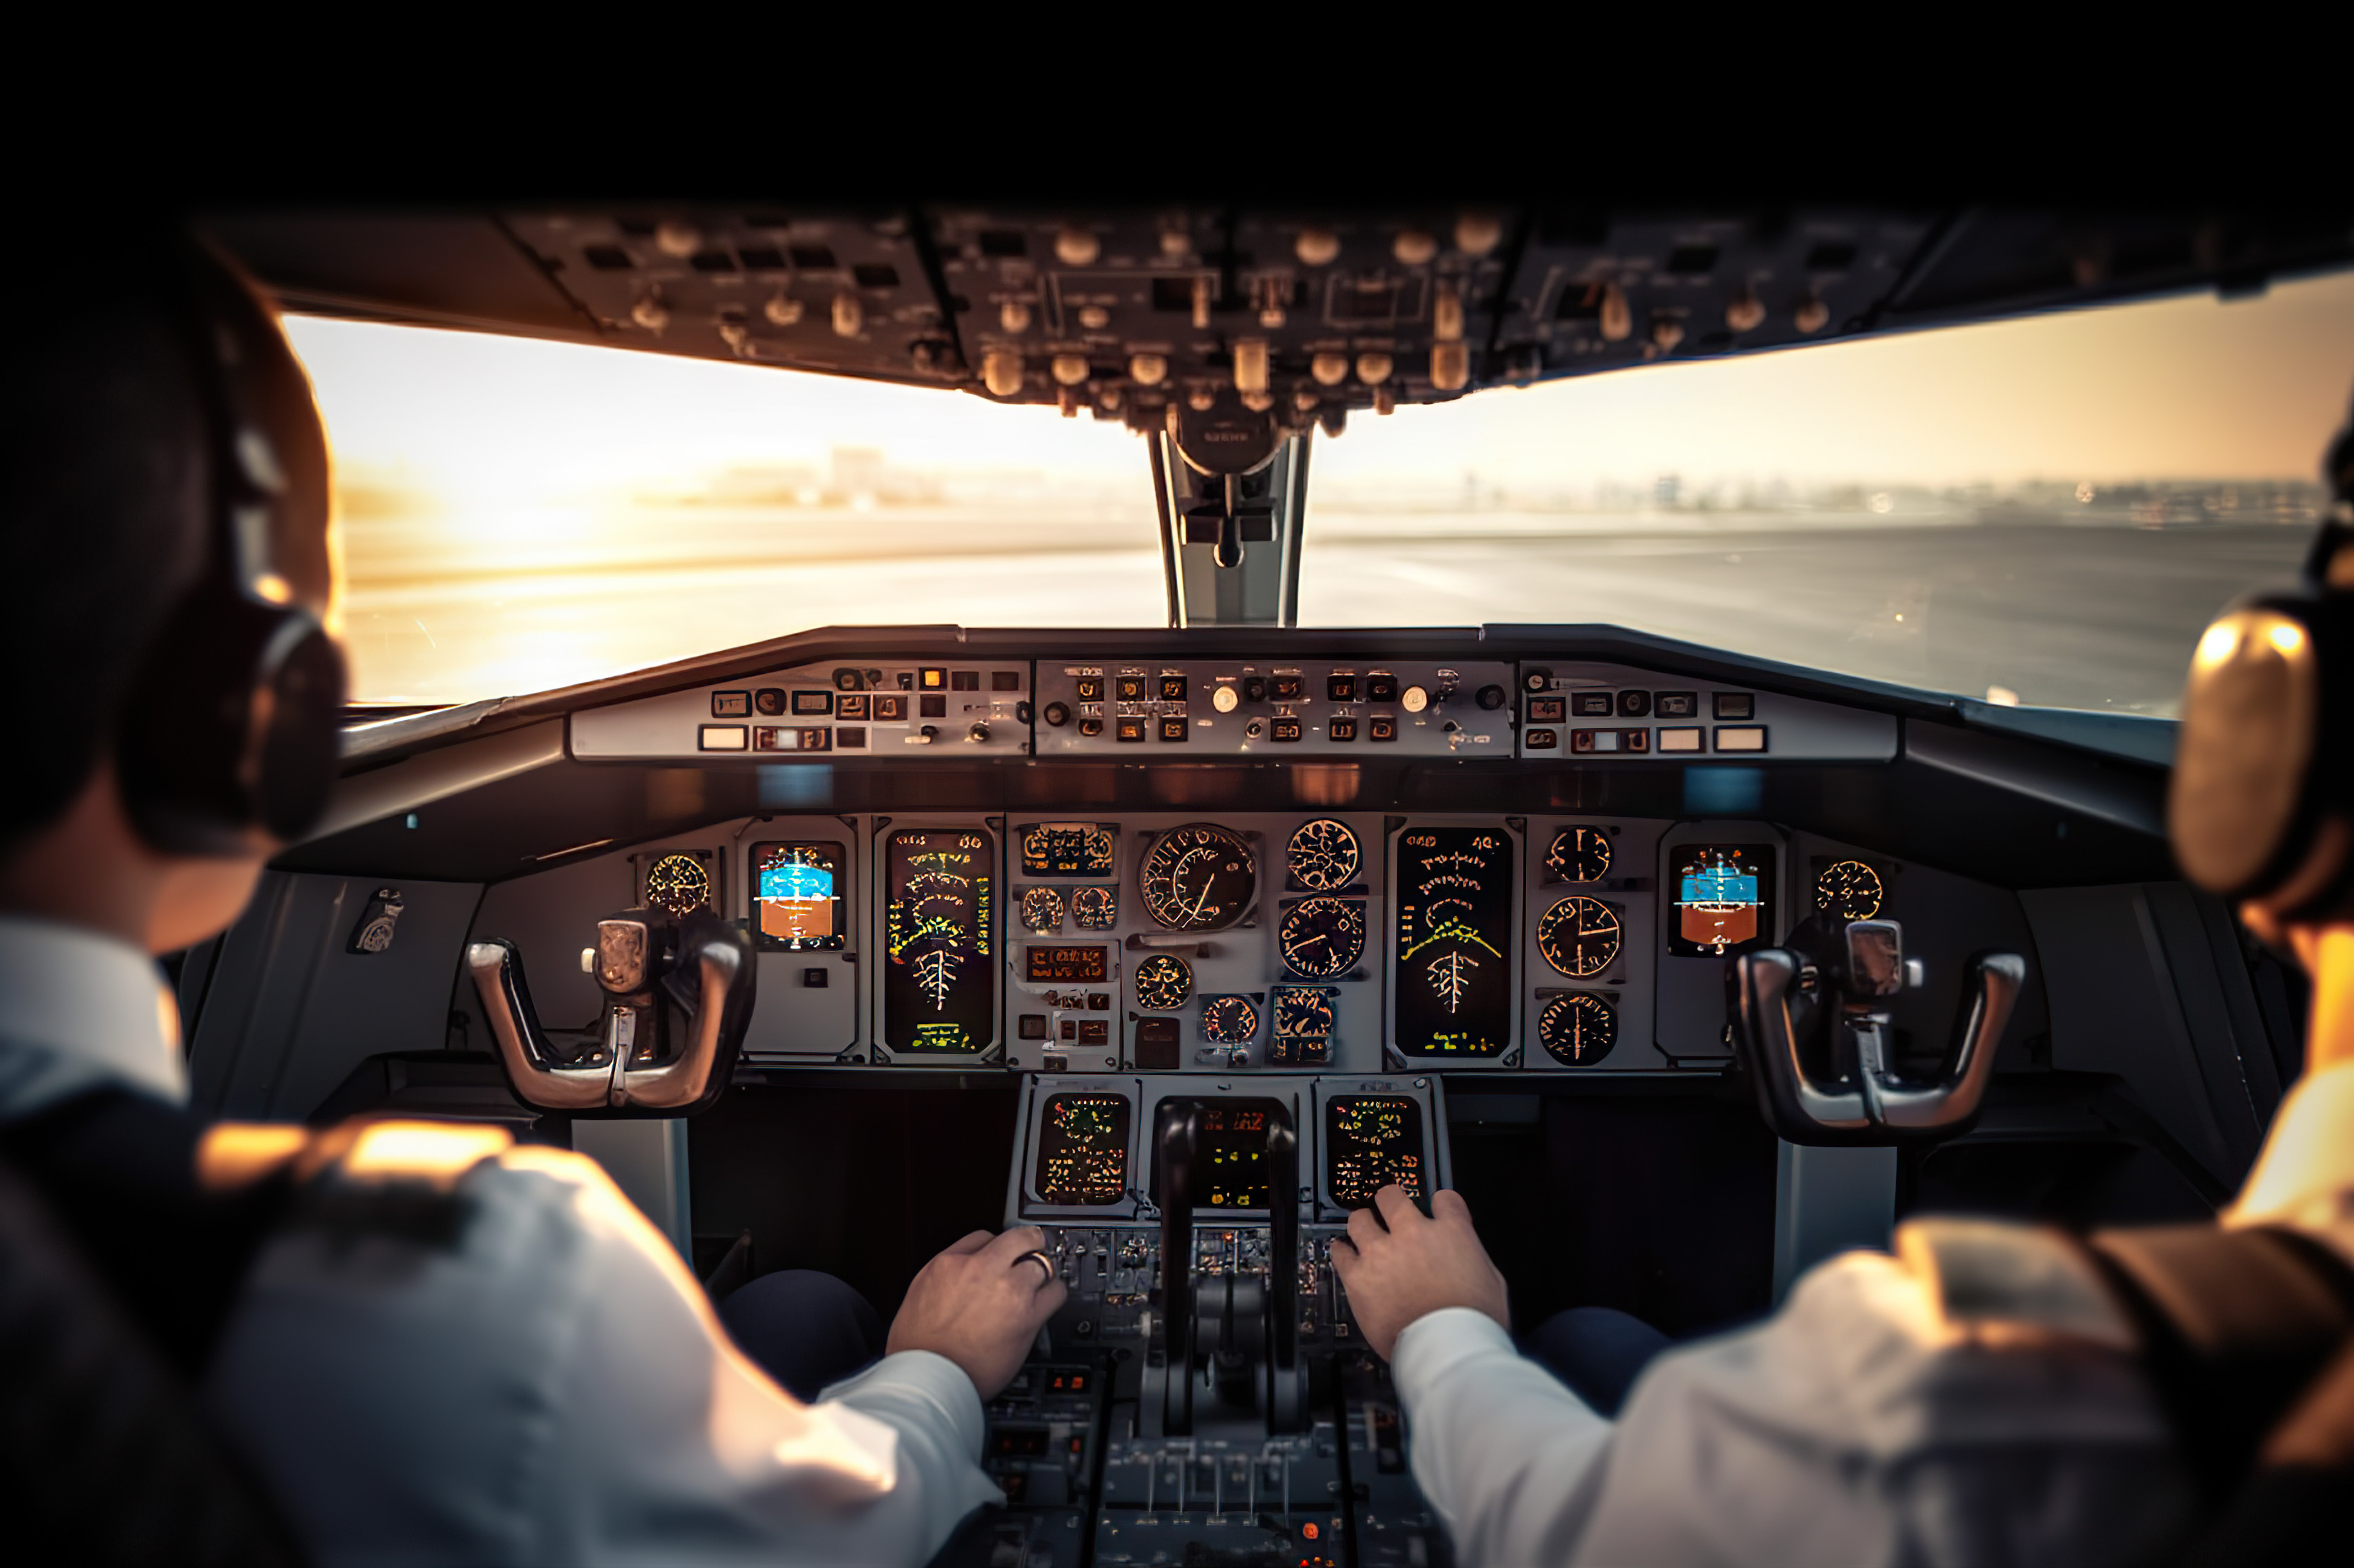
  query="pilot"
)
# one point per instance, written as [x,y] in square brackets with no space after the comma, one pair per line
[1884,1414]
[534,1377]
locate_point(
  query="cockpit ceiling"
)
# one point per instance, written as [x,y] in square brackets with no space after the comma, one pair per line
[1307,314]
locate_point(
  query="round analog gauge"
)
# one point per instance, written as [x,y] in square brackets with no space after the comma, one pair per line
[1321,938]
[1578,854]
[1229,1021]
[1164,981]
[1579,937]
[1095,908]
[1323,855]
[1199,877]
[677,885]
[1042,908]
[1849,890]
[1578,1029]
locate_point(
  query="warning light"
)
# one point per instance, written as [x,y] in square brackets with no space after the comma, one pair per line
[1308,1529]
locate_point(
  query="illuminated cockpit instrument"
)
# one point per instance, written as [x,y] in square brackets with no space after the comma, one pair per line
[1229,1019]
[1724,899]
[1323,855]
[678,884]
[1066,849]
[1453,991]
[1230,1163]
[1578,854]
[1041,909]
[1579,937]
[940,988]
[1321,938]
[1578,1029]
[1849,890]
[1371,1141]
[1164,981]
[1304,1012]
[1083,1150]
[1199,877]
[1095,908]
[797,896]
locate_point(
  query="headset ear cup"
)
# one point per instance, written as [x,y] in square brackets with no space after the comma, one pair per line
[299,737]
[230,724]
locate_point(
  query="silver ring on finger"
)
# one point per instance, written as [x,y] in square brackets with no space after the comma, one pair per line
[1045,1265]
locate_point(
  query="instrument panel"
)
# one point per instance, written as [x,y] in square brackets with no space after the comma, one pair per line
[1084,935]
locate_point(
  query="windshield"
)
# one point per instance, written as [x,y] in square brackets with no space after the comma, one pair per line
[2041,512]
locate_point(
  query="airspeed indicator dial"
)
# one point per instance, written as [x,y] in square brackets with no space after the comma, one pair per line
[1199,877]
[1321,938]
[1578,1029]
[1229,1021]
[1578,854]
[1323,855]
[678,886]
[1579,937]
[1164,981]
[1849,890]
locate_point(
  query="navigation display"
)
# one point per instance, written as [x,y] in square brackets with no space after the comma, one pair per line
[939,986]
[1066,849]
[1066,964]
[1724,899]
[1083,1150]
[1371,1141]
[796,898]
[1453,995]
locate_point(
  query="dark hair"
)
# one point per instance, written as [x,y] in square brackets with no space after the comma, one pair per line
[104,494]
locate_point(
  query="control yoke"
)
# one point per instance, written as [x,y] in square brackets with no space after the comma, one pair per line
[677,996]
[1230,1321]
[1812,1024]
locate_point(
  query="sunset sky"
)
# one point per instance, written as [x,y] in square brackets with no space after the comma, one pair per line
[2186,388]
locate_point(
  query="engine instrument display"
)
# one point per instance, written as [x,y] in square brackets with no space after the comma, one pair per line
[1304,1012]
[1041,909]
[1849,890]
[1229,1019]
[1323,855]
[1083,1150]
[1199,877]
[1095,908]
[1066,849]
[678,884]
[940,987]
[1164,981]
[1230,1164]
[1453,992]
[1371,1141]
[797,896]
[1578,854]
[1724,899]
[1578,1029]
[1321,938]
[1579,936]
[1067,963]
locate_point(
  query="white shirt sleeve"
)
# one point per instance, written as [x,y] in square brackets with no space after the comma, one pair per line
[1855,1426]
[1501,1449]
[555,1388]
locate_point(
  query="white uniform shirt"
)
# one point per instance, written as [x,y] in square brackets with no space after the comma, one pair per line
[552,1389]
[1862,1424]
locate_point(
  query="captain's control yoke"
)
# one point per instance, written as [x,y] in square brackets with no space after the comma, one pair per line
[678,993]
[1246,1334]
[1811,1021]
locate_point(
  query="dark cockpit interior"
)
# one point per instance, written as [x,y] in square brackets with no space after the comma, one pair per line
[1689,968]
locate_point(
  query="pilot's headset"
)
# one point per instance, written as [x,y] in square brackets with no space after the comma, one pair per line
[232,722]
[2262,804]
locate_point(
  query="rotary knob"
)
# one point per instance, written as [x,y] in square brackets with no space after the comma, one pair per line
[1413,699]
[1225,699]
[1058,713]
[977,734]
[1490,697]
